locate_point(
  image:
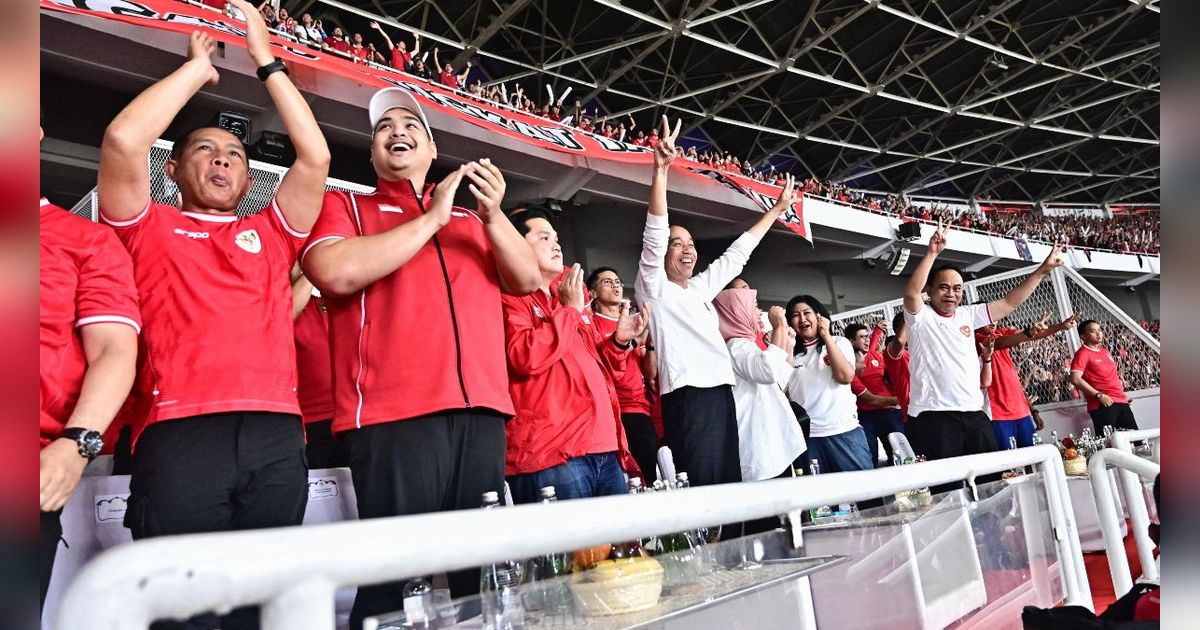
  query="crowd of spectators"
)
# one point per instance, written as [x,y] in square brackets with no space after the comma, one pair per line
[1045,367]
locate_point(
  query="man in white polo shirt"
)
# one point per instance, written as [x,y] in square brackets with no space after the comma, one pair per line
[946,417]
[694,370]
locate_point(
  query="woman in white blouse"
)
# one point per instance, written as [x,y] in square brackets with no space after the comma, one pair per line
[821,384]
[769,437]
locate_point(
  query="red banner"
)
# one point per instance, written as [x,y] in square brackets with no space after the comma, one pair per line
[184,18]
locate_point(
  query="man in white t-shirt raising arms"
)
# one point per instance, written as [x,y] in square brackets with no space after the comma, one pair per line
[946,417]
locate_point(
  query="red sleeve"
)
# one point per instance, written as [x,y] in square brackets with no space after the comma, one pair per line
[857,387]
[334,222]
[532,348]
[873,344]
[1079,363]
[106,292]
[127,230]
[292,238]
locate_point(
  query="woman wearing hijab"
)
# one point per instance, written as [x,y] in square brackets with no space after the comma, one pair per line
[769,436]
[821,384]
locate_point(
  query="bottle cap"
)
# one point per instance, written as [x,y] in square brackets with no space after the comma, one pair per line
[491,496]
[547,492]
[681,476]
[635,482]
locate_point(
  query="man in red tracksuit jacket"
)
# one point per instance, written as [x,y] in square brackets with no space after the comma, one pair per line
[567,430]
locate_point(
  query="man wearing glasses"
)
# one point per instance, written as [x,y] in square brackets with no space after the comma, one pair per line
[607,295]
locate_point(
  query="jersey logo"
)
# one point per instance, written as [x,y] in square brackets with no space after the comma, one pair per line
[874,362]
[537,310]
[827,360]
[191,234]
[387,208]
[249,241]
[965,330]
[585,319]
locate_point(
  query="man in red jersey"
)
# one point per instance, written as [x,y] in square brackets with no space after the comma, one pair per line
[607,293]
[314,387]
[878,420]
[89,322]
[1094,372]
[567,431]
[337,41]
[445,73]
[1012,415]
[401,57]
[413,288]
[895,363]
[222,446]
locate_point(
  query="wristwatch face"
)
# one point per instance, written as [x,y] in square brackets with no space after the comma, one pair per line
[90,444]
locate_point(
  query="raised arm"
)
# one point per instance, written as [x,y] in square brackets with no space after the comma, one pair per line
[1017,296]
[1037,330]
[913,302]
[664,154]
[842,366]
[651,274]
[416,45]
[343,266]
[376,26]
[987,347]
[123,180]
[302,188]
[462,76]
[515,259]
[787,197]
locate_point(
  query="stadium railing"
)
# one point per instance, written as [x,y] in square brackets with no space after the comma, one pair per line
[1131,469]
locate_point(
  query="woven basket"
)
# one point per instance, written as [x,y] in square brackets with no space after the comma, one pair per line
[1076,466]
[624,594]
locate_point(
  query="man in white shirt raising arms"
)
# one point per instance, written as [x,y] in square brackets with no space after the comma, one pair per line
[946,417]
[695,374]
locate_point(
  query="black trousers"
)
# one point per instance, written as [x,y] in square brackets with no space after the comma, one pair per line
[1118,416]
[321,448]
[214,473]
[701,429]
[433,463]
[942,434]
[50,535]
[643,444]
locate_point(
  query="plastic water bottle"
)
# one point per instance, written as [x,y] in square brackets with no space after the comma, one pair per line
[548,592]
[823,512]
[499,586]
[418,603]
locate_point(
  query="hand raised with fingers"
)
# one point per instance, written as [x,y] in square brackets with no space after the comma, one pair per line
[664,150]
[1070,322]
[258,40]
[488,187]
[823,325]
[937,242]
[570,290]
[630,326]
[1039,326]
[787,196]
[987,347]
[201,47]
[1056,257]
[443,196]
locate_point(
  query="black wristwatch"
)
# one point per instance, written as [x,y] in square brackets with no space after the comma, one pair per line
[89,442]
[272,68]
[628,345]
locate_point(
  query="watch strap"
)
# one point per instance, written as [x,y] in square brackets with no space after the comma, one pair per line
[272,68]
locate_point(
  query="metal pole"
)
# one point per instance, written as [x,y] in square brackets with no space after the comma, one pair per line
[1133,465]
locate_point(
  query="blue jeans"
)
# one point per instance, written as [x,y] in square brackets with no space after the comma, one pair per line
[1022,429]
[877,424]
[840,453]
[594,475]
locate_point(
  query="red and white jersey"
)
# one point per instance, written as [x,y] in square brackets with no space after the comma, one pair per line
[314,373]
[216,300]
[1100,371]
[448,79]
[429,337]
[85,278]
[401,59]
[872,374]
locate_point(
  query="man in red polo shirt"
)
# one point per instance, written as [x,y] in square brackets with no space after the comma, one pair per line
[413,288]
[607,303]
[567,430]
[337,41]
[878,420]
[222,446]
[445,73]
[1012,414]
[89,322]
[314,375]
[1094,372]
[401,57]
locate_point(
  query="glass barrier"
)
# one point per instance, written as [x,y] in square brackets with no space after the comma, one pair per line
[918,561]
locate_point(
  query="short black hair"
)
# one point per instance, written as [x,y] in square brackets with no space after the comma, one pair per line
[898,322]
[852,331]
[595,276]
[945,267]
[1082,327]
[521,215]
[183,139]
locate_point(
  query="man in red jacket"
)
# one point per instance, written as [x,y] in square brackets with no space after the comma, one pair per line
[413,284]
[607,294]
[567,430]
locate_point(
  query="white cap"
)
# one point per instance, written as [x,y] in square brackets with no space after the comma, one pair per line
[390,98]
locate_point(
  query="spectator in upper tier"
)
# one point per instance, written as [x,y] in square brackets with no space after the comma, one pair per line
[640,139]
[357,49]
[607,302]
[567,429]
[446,74]
[308,33]
[287,23]
[419,70]
[769,438]
[374,56]
[414,286]
[946,402]
[821,385]
[337,41]
[402,59]
[695,374]
[1094,372]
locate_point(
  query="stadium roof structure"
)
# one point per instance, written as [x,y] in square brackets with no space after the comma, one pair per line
[998,100]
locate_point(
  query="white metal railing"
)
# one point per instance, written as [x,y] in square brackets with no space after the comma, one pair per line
[1133,466]
[1135,501]
[293,572]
